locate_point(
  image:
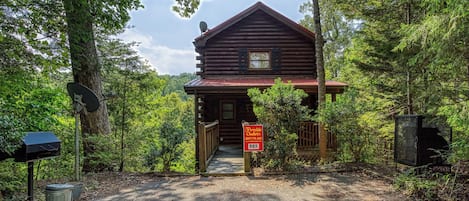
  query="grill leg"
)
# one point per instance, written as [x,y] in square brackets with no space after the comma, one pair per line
[30,181]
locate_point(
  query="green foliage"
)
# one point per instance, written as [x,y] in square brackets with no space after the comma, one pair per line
[31,103]
[105,157]
[280,151]
[405,57]
[173,132]
[32,35]
[417,187]
[34,67]
[441,36]
[279,109]
[113,15]
[13,176]
[353,132]
[337,31]
[458,119]
[174,83]
[186,161]
[185,8]
[10,133]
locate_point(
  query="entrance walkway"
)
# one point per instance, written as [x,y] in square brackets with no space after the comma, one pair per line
[228,160]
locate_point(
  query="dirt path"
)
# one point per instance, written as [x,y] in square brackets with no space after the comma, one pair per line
[327,186]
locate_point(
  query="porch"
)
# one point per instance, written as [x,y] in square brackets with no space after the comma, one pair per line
[216,159]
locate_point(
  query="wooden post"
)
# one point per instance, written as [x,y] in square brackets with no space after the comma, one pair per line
[202,154]
[247,161]
[197,131]
[333,97]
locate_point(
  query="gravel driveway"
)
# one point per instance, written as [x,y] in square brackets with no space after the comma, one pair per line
[325,186]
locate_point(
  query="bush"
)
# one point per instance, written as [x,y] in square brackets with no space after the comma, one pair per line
[280,111]
[105,156]
[417,187]
[348,119]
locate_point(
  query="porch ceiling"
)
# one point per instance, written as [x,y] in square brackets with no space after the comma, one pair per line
[226,85]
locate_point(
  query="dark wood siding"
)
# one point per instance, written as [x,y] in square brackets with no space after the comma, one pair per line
[230,131]
[259,31]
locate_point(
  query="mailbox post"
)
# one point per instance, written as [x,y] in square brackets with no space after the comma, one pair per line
[253,141]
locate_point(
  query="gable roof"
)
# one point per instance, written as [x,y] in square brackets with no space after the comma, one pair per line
[202,39]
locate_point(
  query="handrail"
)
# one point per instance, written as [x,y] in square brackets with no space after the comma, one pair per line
[208,142]
[211,124]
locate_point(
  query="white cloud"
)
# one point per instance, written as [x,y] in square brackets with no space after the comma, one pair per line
[164,59]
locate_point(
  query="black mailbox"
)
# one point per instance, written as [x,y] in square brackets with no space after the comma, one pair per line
[35,145]
[415,145]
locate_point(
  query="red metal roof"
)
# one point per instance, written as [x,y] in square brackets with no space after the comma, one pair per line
[230,84]
[257,6]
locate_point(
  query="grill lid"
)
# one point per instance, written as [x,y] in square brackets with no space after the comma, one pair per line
[35,145]
[41,142]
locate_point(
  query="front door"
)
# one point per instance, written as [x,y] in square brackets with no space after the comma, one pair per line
[229,131]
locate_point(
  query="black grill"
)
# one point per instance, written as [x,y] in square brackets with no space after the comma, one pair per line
[35,145]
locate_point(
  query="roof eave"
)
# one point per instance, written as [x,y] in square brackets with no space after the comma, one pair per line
[201,40]
[192,90]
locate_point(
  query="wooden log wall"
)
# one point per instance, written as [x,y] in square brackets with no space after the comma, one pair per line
[230,131]
[259,31]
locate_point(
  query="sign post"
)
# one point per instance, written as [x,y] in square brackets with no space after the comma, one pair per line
[253,138]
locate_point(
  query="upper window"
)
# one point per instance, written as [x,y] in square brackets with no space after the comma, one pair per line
[259,60]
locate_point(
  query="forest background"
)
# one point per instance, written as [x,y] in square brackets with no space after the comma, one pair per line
[398,57]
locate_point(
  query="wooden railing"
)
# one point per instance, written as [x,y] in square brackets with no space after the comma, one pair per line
[308,137]
[208,142]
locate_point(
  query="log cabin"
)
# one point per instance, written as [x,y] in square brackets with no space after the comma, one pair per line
[249,50]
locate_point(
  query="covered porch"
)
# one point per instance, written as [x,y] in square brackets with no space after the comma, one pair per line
[222,104]
[228,159]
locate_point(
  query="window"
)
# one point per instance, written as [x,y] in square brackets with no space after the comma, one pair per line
[259,60]
[227,110]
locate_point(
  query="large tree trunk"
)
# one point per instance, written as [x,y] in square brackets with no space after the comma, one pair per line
[85,67]
[319,43]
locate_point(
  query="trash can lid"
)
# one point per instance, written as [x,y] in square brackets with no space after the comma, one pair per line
[58,187]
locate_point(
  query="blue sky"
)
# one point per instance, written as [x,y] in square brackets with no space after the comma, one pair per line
[166,39]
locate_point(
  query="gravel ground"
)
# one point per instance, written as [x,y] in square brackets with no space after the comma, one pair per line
[324,186]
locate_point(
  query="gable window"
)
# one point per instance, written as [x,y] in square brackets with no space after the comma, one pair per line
[227,110]
[259,60]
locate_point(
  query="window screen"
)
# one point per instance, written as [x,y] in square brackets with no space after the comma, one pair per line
[259,60]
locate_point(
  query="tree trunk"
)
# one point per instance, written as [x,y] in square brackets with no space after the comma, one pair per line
[410,108]
[85,69]
[319,43]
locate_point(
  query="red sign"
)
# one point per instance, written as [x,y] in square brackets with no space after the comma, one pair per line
[253,138]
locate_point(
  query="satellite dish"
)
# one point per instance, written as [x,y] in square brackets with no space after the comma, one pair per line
[82,97]
[88,97]
[203,26]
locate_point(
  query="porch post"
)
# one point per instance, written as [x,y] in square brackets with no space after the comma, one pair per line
[333,137]
[202,148]
[196,125]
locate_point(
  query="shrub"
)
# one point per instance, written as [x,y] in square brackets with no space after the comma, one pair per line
[417,187]
[350,121]
[280,111]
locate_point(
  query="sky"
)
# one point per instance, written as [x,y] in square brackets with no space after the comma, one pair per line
[166,39]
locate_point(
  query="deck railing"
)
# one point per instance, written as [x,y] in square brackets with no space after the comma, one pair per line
[208,142]
[308,137]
